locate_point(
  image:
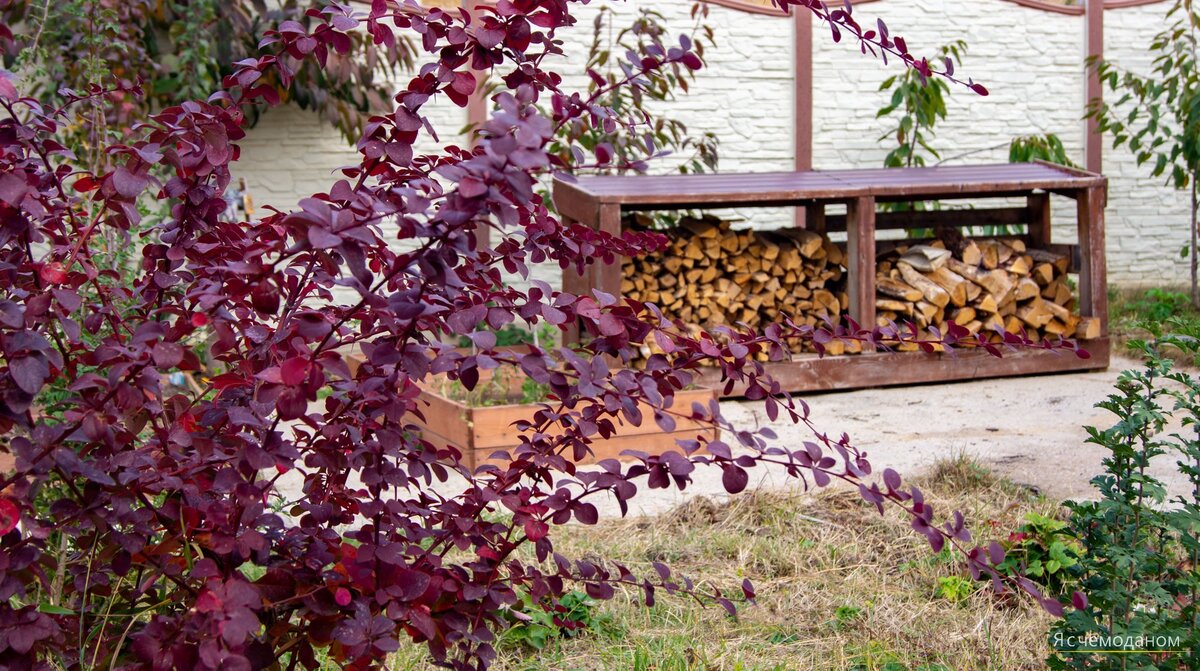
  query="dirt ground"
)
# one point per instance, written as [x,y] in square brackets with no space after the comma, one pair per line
[1029,429]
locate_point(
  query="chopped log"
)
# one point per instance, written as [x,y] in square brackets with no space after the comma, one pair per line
[1018,266]
[991,255]
[926,258]
[894,306]
[1060,313]
[987,304]
[1036,313]
[996,282]
[1089,328]
[1043,273]
[932,292]
[1026,289]
[897,289]
[1060,262]
[974,291]
[970,254]
[964,315]
[953,283]
[926,310]
[810,243]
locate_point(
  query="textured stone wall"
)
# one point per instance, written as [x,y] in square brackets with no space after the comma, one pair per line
[1147,221]
[1031,60]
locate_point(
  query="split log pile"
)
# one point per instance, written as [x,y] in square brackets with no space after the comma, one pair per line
[711,274]
[982,285]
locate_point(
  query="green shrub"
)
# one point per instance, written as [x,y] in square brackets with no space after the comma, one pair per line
[1140,546]
[1043,549]
[955,589]
[1159,305]
[537,623]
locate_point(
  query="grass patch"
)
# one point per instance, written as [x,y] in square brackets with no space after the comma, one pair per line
[839,587]
[1140,315]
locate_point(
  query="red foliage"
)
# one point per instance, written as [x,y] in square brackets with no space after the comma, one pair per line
[164,498]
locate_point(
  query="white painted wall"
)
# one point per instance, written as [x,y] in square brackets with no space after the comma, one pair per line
[1031,60]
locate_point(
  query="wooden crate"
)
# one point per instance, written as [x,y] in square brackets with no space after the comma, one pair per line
[600,201]
[480,432]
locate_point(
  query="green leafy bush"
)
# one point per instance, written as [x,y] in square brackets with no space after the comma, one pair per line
[537,623]
[513,335]
[1029,148]
[1159,305]
[920,102]
[955,589]
[1044,549]
[1140,545]
[1156,113]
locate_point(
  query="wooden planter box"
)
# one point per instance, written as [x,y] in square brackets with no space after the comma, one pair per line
[479,432]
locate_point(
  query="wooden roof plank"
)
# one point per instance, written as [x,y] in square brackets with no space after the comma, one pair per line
[776,187]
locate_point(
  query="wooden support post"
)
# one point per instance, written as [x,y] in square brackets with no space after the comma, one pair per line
[1094,88]
[478,109]
[814,217]
[607,277]
[574,283]
[802,96]
[860,250]
[1038,207]
[599,275]
[1093,283]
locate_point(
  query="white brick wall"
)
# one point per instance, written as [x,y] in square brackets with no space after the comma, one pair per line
[293,153]
[1031,60]
[1147,221]
[1006,44]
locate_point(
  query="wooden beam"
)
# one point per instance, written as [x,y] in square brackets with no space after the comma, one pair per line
[579,284]
[899,368]
[1038,215]
[802,114]
[608,276]
[477,113]
[1003,216]
[815,219]
[1094,90]
[860,251]
[1093,282]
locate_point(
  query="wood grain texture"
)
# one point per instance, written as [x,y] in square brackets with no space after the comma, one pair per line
[800,187]
[883,369]
[479,432]
[860,253]
[1093,278]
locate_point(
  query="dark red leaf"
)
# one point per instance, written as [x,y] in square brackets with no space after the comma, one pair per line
[734,478]
[294,370]
[10,514]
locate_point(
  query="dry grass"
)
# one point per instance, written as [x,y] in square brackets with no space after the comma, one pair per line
[839,587]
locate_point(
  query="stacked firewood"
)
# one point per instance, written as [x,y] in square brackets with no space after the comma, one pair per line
[982,285]
[711,274]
